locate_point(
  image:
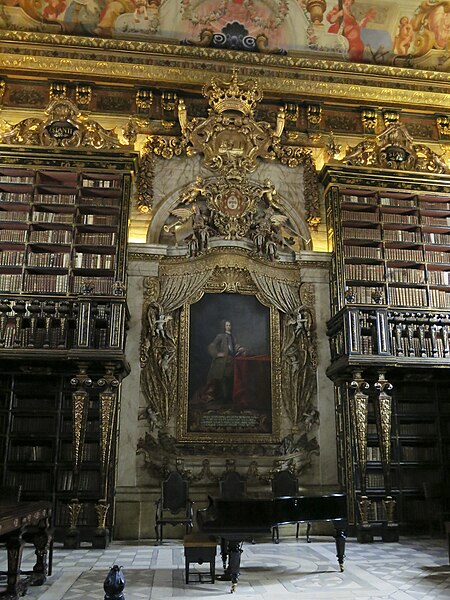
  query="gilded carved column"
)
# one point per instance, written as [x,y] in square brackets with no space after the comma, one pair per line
[359,399]
[107,414]
[383,416]
[80,407]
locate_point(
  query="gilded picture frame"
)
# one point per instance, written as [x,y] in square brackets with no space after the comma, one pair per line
[229,381]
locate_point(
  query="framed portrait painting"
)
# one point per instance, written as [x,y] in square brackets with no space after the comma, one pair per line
[229,370]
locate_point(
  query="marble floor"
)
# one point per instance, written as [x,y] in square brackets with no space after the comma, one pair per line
[412,569]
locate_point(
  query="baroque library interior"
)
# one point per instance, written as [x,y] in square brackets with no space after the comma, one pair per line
[225,256]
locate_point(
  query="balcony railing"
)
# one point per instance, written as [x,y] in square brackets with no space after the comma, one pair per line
[386,334]
[29,323]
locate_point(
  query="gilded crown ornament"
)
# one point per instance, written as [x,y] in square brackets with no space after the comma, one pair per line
[233,95]
[230,138]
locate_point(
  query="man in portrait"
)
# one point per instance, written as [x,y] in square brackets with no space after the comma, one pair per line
[223,350]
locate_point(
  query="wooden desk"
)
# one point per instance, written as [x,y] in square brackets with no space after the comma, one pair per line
[22,522]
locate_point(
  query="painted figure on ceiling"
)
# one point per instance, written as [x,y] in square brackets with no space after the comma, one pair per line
[404,37]
[81,16]
[344,21]
[52,9]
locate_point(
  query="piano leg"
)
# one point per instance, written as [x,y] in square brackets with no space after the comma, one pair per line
[234,563]
[230,552]
[224,552]
[339,537]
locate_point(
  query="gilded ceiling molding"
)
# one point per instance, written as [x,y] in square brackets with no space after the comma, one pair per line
[301,83]
[309,77]
[44,43]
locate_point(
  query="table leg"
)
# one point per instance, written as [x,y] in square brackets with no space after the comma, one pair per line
[41,540]
[15,586]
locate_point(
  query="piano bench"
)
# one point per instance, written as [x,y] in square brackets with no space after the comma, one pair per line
[200,548]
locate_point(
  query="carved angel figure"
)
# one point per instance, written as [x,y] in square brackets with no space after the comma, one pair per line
[268,234]
[196,229]
[160,325]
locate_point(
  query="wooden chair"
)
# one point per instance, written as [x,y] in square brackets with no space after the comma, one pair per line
[285,483]
[437,500]
[174,506]
[232,486]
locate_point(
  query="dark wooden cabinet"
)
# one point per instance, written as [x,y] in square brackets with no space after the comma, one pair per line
[389,331]
[63,314]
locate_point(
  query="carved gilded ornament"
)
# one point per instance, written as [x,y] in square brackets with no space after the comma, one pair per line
[2,89]
[359,414]
[369,119]
[443,124]
[83,94]
[383,415]
[144,179]
[65,126]
[144,99]
[231,207]
[394,148]
[230,136]
[390,117]
[74,507]
[58,89]
[101,510]
[314,114]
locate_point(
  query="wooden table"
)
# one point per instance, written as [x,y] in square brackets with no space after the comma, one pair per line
[22,522]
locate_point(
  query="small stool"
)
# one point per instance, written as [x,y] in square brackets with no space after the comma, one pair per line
[200,548]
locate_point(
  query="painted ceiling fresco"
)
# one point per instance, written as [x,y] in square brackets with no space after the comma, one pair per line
[403,33]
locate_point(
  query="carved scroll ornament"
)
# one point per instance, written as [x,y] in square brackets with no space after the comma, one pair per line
[394,148]
[64,126]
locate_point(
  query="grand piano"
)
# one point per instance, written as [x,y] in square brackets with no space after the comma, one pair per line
[235,521]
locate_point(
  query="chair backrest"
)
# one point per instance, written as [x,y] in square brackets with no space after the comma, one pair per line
[284,483]
[174,492]
[435,494]
[232,486]
[12,493]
